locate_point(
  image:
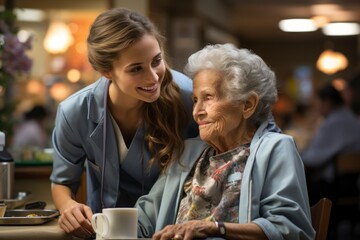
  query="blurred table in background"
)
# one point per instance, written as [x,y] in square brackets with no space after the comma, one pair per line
[33,176]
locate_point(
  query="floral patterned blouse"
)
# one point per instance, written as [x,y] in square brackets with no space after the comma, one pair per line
[212,190]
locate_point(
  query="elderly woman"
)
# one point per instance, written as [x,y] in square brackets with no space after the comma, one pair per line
[245,181]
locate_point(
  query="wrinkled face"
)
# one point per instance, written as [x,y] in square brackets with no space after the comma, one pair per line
[139,71]
[219,118]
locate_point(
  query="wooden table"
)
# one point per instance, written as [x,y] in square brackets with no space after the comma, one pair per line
[46,231]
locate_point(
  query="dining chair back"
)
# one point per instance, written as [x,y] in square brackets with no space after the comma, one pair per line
[348,163]
[320,216]
[346,196]
[347,174]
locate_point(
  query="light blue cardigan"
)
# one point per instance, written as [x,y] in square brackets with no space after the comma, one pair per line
[273,189]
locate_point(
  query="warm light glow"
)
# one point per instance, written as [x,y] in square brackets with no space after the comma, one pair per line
[320,21]
[298,25]
[81,47]
[35,87]
[341,29]
[23,35]
[74,27]
[330,62]
[59,91]
[58,63]
[339,84]
[58,38]
[73,75]
[30,14]
[325,9]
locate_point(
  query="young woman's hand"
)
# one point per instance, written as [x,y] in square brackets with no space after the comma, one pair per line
[75,219]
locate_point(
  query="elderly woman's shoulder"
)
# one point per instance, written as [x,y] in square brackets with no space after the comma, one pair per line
[276,138]
[276,144]
[193,149]
[194,146]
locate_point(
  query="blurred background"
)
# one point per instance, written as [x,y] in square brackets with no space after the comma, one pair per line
[53,37]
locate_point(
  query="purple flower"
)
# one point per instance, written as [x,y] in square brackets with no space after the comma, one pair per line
[3,27]
[12,52]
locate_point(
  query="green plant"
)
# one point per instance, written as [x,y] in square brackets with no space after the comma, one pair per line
[13,62]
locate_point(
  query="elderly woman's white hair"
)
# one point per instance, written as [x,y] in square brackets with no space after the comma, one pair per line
[243,71]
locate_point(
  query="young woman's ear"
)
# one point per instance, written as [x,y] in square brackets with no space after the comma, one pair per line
[250,105]
[106,74]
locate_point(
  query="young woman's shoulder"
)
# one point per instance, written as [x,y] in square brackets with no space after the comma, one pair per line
[86,104]
[80,99]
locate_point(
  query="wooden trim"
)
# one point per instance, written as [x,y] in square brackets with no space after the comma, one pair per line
[32,172]
[44,172]
[348,163]
[320,216]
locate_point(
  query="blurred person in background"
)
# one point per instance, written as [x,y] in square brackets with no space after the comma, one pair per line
[339,132]
[352,93]
[299,126]
[32,133]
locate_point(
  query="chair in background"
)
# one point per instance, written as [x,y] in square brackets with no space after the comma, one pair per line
[320,216]
[346,197]
[347,173]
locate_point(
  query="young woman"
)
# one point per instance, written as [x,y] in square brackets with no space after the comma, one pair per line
[125,128]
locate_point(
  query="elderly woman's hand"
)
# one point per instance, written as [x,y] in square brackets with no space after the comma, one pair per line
[187,231]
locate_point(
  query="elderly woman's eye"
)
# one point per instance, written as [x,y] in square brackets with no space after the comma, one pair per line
[209,97]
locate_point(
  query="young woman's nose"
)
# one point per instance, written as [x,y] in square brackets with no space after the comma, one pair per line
[152,75]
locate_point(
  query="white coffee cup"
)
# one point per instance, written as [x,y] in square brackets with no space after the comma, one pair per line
[116,223]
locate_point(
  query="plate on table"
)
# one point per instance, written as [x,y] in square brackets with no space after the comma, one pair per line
[28,217]
[18,201]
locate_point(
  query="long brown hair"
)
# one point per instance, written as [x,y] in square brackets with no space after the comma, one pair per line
[111,33]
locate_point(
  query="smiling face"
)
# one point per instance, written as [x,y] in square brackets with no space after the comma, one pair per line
[221,121]
[138,73]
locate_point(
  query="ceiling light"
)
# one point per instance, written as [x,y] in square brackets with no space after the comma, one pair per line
[341,29]
[29,15]
[330,62]
[58,38]
[298,25]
